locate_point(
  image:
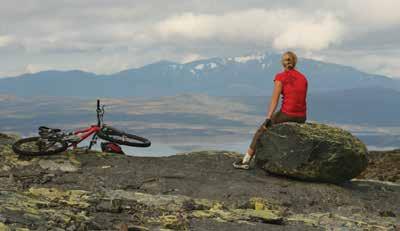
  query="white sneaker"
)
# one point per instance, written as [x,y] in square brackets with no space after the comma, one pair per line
[244,163]
[246,158]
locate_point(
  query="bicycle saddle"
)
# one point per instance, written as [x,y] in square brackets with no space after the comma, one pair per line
[48,130]
[46,133]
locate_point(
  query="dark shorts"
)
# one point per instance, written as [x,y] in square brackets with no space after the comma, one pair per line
[280,117]
[276,118]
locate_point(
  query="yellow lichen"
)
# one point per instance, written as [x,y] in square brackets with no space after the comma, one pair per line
[71,197]
[12,159]
[4,227]
[325,220]
[204,203]
[259,206]
[309,220]
[330,134]
[217,206]
[169,220]
[264,214]
[16,202]
[203,214]
[175,222]
[259,209]
[259,203]
[35,207]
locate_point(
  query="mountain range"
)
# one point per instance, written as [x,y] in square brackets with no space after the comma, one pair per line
[250,75]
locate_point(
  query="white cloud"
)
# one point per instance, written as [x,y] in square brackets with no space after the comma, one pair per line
[312,34]
[383,62]
[33,68]
[388,65]
[106,36]
[382,13]
[111,64]
[288,28]
[312,55]
[187,58]
[188,26]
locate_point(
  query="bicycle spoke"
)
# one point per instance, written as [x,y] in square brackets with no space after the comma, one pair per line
[34,146]
[30,146]
[51,146]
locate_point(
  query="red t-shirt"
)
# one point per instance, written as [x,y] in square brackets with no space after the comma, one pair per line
[294,92]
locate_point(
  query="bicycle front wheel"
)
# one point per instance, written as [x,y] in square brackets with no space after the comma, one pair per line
[123,138]
[34,146]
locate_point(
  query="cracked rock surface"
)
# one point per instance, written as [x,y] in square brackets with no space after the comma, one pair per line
[193,191]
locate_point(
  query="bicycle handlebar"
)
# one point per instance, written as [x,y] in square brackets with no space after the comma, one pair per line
[98,110]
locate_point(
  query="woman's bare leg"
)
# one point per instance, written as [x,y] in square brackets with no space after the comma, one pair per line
[276,118]
[250,151]
[245,162]
[252,148]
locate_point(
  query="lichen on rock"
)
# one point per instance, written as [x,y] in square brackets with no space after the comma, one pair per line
[41,208]
[76,198]
[192,191]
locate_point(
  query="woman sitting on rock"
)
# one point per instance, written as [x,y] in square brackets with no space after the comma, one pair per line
[293,86]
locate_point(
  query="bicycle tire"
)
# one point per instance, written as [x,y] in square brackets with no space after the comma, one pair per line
[123,138]
[33,149]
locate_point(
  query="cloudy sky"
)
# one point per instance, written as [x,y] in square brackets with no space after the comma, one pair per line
[106,36]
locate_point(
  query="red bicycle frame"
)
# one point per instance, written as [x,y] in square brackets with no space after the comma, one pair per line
[93,129]
[85,133]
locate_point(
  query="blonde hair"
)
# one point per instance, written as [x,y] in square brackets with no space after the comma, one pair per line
[293,55]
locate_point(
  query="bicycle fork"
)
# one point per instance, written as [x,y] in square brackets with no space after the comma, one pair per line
[92,142]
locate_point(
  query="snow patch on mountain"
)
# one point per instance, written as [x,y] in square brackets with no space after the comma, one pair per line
[174,67]
[199,67]
[212,65]
[245,59]
[264,66]
[206,66]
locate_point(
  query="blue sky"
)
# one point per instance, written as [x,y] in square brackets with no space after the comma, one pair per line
[104,36]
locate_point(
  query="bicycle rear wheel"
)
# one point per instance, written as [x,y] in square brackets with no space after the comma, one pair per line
[123,138]
[34,146]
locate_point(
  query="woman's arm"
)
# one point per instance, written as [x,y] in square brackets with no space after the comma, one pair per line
[274,98]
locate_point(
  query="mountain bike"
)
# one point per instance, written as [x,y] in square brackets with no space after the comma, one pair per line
[54,140]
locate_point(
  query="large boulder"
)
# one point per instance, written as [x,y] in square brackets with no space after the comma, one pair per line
[311,151]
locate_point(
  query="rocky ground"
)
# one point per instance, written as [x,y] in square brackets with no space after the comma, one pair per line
[194,191]
[383,166]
